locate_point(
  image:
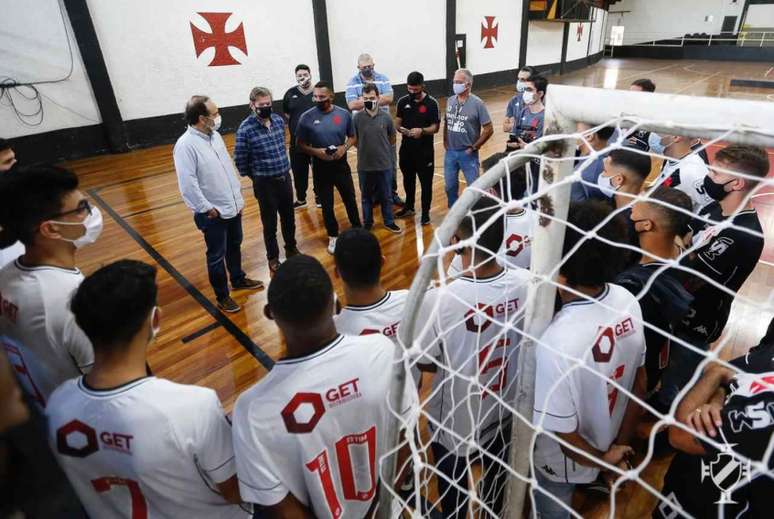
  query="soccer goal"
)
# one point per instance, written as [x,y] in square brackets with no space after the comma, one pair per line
[715,121]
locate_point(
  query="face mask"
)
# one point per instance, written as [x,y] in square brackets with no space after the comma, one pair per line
[654,142]
[370,105]
[93,225]
[367,71]
[323,105]
[528,97]
[520,86]
[605,184]
[304,82]
[216,123]
[714,190]
[263,112]
[459,88]
[154,329]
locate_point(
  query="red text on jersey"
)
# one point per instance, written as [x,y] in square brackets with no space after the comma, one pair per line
[343,393]
[387,331]
[8,309]
[490,311]
[335,396]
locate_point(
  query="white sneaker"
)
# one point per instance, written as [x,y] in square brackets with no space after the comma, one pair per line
[332,244]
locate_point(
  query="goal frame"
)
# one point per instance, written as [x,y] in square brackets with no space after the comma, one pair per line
[700,117]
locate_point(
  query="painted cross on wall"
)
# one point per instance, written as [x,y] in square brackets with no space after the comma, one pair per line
[489,31]
[219,39]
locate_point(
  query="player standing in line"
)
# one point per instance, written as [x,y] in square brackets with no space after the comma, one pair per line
[684,170]
[44,209]
[469,340]
[309,435]
[600,327]
[134,445]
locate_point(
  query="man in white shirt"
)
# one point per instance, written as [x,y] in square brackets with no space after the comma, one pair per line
[44,209]
[211,189]
[685,170]
[469,334]
[308,437]
[134,445]
[594,346]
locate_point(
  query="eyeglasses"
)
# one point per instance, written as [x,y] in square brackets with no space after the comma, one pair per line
[83,205]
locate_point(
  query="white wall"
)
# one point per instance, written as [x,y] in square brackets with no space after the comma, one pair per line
[544,43]
[403,36]
[505,53]
[149,51]
[578,43]
[597,30]
[760,16]
[661,19]
[33,47]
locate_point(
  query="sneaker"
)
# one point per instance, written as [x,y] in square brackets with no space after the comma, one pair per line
[331,244]
[425,220]
[368,226]
[248,284]
[298,204]
[393,228]
[228,305]
[396,200]
[404,213]
[291,251]
[274,265]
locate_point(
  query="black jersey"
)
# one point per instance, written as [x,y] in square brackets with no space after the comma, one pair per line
[725,255]
[664,303]
[295,103]
[703,484]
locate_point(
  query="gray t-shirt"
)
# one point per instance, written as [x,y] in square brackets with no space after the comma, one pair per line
[374,151]
[464,121]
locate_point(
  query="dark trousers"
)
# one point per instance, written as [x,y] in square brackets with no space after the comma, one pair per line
[413,165]
[275,196]
[224,242]
[326,176]
[376,184]
[682,364]
[299,163]
[454,502]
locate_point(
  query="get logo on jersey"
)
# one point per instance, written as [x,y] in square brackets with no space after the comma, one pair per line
[487,313]
[296,414]
[78,440]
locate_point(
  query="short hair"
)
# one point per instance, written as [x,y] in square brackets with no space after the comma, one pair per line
[358,258]
[303,67]
[258,91]
[530,69]
[750,160]
[415,79]
[637,163]
[492,238]
[196,107]
[595,262]
[300,292]
[540,82]
[645,84]
[323,84]
[364,57]
[28,198]
[605,132]
[4,144]
[518,178]
[674,221]
[112,304]
[467,73]
[370,87]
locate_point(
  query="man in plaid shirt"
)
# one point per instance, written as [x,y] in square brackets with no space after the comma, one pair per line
[261,155]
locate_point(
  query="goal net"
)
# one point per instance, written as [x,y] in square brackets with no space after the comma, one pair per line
[511,390]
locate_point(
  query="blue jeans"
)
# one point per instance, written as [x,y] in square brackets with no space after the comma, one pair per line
[376,185]
[453,162]
[224,242]
[547,508]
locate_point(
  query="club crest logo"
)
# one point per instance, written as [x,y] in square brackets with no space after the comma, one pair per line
[725,471]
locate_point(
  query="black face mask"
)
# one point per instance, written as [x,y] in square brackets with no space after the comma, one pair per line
[323,105]
[369,105]
[264,112]
[714,190]
[367,71]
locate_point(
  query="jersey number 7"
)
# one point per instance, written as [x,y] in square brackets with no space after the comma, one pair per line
[139,507]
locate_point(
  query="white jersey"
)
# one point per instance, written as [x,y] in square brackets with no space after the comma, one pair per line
[315,427]
[383,317]
[149,448]
[10,253]
[687,175]
[43,342]
[516,250]
[475,344]
[611,341]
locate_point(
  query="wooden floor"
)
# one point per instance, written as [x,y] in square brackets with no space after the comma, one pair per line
[147,220]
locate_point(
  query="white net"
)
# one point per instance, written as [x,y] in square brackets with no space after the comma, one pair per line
[625,344]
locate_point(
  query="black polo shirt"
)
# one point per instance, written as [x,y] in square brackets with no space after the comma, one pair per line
[418,114]
[294,104]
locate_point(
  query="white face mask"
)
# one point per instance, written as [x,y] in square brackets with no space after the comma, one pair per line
[605,185]
[216,123]
[520,86]
[528,96]
[304,81]
[93,225]
[459,88]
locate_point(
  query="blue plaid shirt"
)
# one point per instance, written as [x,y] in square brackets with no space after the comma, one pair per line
[260,151]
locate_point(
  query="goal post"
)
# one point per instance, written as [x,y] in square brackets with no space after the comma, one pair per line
[712,119]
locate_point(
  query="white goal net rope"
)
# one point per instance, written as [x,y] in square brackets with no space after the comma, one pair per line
[472,341]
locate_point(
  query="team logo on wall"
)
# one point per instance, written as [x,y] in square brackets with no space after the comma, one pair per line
[219,39]
[489,31]
[579,32]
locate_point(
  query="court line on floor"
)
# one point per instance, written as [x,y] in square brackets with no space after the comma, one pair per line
[198,333]
[247,343]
